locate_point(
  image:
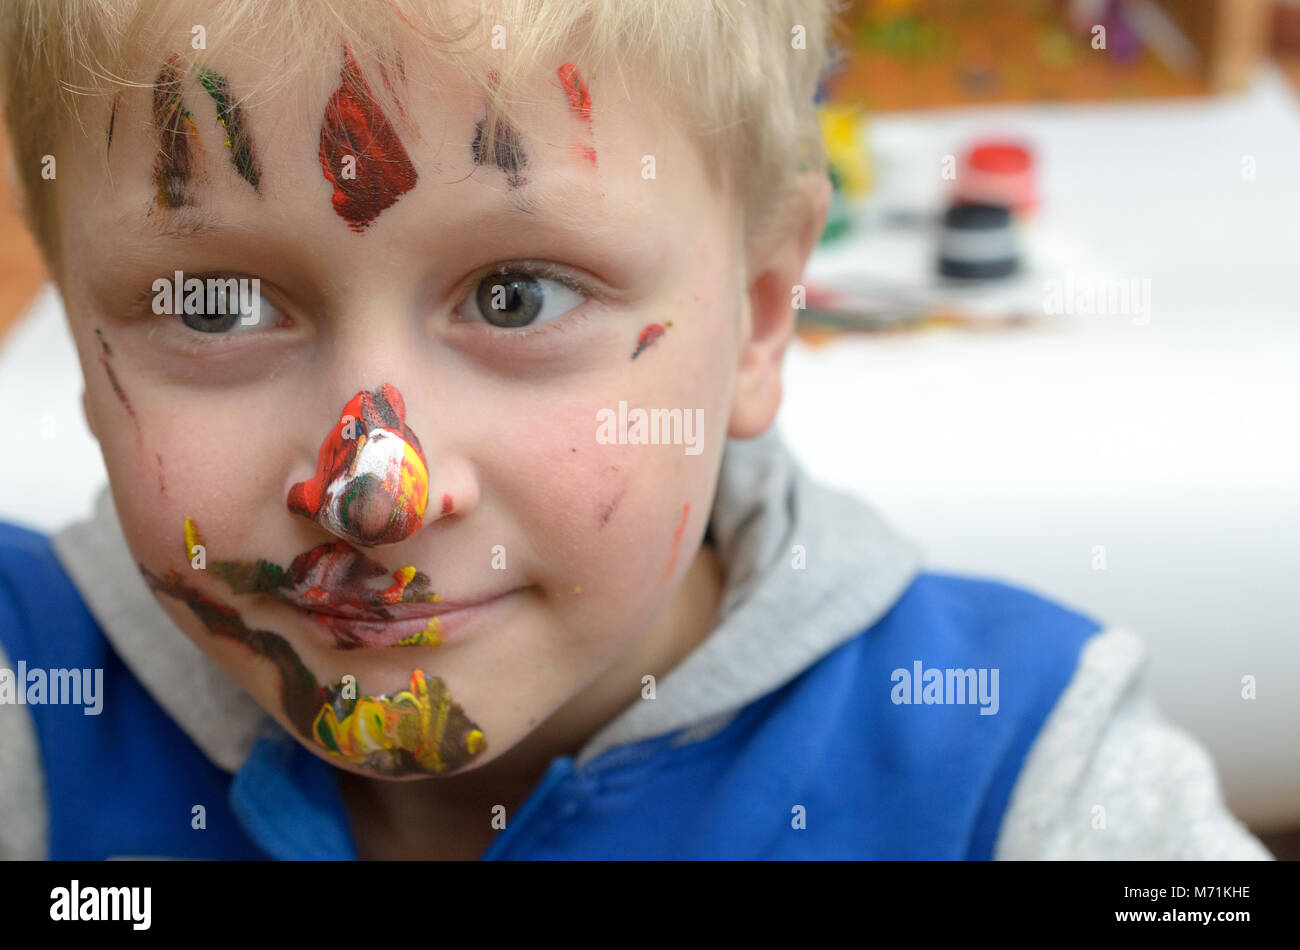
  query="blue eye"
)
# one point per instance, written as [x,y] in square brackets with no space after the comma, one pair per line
[511,299]
[227,305]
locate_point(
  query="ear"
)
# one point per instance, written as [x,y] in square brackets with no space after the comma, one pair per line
[768,320]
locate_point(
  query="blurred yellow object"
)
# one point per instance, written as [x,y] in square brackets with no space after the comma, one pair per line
[846,149]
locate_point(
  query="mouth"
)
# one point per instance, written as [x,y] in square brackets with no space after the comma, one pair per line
[407,625]
[356,601]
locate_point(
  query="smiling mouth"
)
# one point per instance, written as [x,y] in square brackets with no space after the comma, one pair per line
[425,625]
[355,600]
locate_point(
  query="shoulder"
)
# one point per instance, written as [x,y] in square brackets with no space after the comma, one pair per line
[1110,778]
[27,568]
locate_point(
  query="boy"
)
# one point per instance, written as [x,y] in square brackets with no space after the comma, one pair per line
[433,357]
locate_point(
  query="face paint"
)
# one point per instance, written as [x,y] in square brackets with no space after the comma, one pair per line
[174,166]
[506,151]
[648,335]
[447,504]
[126,404]
[420,725]
[607,511]
[117,388]
[677,541]
[371,483]
[416,731]
[112,120]
[360,153]
[579,101]
[231,116]
[337,584]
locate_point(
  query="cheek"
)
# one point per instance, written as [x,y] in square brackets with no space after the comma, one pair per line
[218,460]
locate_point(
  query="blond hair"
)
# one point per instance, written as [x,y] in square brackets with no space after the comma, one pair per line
[740,75]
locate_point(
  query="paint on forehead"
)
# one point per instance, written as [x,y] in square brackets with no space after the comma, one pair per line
[233,119]
[579,95]
[162,483]
[360,152]
[372,482]
[339,576]
[648,335]
[419,730]
[108,350]
[175,165]
[506,152]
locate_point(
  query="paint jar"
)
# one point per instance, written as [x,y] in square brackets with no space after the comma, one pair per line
[978,242]
[998,172]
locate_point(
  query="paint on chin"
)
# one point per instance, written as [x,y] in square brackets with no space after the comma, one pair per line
[579,96]
[360,153]
[415,731]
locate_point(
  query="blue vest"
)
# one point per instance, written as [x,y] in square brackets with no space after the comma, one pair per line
[828,766]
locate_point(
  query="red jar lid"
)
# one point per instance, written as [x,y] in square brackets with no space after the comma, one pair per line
[1004,158]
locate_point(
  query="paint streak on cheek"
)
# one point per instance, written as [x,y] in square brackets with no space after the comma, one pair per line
[419,730]
[579,95]
[648,335]
[607,509]
[360,152]
[125,400]
[677,541]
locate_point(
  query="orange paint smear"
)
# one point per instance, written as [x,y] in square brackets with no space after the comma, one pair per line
[579,102]
[677,541]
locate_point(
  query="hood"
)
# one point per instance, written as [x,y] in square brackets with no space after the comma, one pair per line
[775,619]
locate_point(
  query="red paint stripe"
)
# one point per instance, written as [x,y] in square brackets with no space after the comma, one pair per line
[579,95]
[677,541]
[355,127]
[647,336]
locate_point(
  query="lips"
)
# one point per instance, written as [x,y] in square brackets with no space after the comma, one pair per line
[354,599]
[333,587]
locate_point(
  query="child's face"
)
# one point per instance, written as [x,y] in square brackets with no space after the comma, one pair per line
[402,432]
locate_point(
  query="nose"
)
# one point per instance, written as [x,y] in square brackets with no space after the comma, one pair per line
[371,485]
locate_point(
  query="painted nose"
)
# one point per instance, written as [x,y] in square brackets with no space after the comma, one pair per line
[371,485]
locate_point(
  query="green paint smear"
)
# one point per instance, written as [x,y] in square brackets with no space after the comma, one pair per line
[231,117]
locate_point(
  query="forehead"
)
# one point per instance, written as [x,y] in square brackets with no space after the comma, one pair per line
[263,148]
